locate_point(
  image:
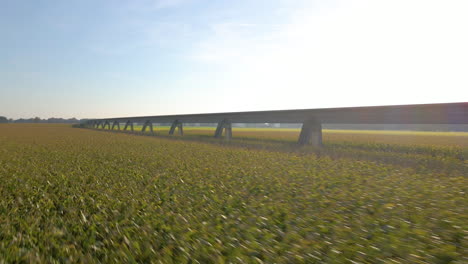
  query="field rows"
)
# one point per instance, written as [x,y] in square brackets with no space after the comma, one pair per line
[77,195]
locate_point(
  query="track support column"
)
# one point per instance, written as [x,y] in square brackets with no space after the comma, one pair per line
[129,123]
[149,124]
[106,124]
[116,124]
[176,124]
[225,125]
[311,133]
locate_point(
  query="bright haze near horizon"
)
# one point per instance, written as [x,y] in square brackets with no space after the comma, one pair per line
[90,59]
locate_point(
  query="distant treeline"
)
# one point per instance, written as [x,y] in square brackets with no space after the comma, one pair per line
[39,120]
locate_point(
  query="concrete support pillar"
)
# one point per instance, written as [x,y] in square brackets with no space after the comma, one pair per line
[149,124]
[115,124]
[311,133]
[227,127]
[129,123]
[176,124]
[106,123]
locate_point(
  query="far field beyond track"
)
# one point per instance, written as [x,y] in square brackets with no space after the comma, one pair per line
[80,195]
[422,138]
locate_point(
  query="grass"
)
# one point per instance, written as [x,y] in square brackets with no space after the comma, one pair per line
[77,195]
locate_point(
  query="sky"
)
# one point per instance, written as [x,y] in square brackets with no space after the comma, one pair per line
[111,58]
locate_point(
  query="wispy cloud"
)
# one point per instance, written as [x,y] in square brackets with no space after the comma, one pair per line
[140,24]
[151,5]
[383,49]
[228,42]
[167,34]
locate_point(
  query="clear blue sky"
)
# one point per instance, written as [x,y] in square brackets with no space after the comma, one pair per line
[103,58]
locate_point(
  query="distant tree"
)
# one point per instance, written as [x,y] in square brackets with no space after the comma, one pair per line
[49,120]
[3,119]
[73,120]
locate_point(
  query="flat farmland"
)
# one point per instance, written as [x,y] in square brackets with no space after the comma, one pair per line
[421,138]
[80,195]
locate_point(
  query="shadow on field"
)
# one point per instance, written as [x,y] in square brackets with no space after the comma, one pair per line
[443,159]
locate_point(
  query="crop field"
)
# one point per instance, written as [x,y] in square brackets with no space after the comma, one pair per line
[82,195]
[456,139]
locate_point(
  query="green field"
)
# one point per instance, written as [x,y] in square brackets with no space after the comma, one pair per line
[81,195]
[413,138]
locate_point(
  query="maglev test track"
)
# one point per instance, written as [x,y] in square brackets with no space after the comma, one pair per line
[311,119]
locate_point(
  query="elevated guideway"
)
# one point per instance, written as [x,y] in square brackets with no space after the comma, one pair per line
[311,119]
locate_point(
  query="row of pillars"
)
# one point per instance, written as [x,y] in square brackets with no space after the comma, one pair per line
[311,132]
